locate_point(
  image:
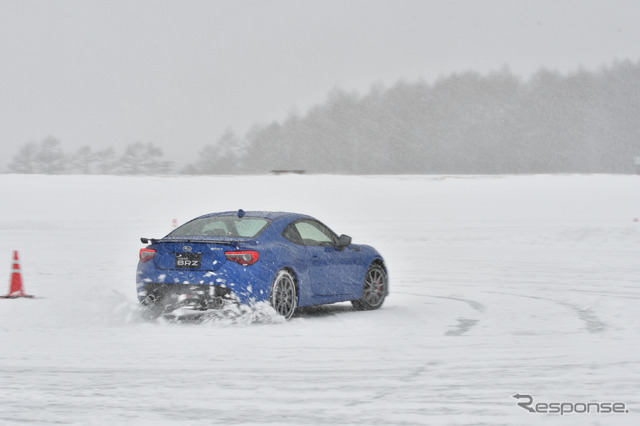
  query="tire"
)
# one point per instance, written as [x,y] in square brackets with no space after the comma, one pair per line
[152,307]
[151,313]
[284,296]
[374,289]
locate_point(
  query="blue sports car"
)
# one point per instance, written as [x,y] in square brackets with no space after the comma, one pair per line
[288,259]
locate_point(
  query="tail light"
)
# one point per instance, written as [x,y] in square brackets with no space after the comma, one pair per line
[245,258]
[146,255]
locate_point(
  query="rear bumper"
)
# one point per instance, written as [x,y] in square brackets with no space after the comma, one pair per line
[245,284]
[193,296]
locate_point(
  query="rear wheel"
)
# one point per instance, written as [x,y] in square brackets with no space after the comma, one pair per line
[153,307]
[374,289]
[284,298]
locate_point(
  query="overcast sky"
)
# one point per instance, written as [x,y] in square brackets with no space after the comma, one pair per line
[178,73]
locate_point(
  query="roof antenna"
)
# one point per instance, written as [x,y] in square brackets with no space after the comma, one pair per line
[241,213]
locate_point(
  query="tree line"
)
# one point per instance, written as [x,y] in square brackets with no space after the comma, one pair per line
[48,157]
[469,123]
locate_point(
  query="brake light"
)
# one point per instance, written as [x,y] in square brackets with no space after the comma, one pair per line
[146,255]
[245,258]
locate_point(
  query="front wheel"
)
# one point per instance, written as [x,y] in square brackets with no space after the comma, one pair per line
[284,298]
[374,289]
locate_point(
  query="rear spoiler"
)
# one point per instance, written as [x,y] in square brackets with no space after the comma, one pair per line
[144,240]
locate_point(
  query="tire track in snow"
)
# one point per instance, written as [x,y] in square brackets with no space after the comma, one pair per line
[593,324]
[464,324]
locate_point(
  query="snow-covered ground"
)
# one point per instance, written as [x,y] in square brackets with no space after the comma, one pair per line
[500,285]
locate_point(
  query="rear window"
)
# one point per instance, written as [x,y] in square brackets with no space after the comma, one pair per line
[223,226]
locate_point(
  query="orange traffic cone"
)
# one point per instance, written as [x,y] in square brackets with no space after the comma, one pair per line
[16,289]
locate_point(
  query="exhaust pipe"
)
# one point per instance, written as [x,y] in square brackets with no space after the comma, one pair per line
[151,299]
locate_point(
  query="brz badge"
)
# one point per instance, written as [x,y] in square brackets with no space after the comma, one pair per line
[186,248]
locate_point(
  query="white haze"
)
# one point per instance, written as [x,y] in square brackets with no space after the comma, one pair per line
[179,74]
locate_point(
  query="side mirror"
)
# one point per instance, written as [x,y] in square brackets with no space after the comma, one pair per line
[344,241]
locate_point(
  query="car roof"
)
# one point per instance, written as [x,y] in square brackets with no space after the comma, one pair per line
[263,214]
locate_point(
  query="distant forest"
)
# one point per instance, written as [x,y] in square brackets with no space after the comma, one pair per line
[468,123]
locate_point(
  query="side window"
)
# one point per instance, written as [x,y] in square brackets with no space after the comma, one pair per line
[314,234]
[292,234]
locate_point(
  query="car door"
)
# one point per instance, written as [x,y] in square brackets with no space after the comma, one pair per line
[330,267]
